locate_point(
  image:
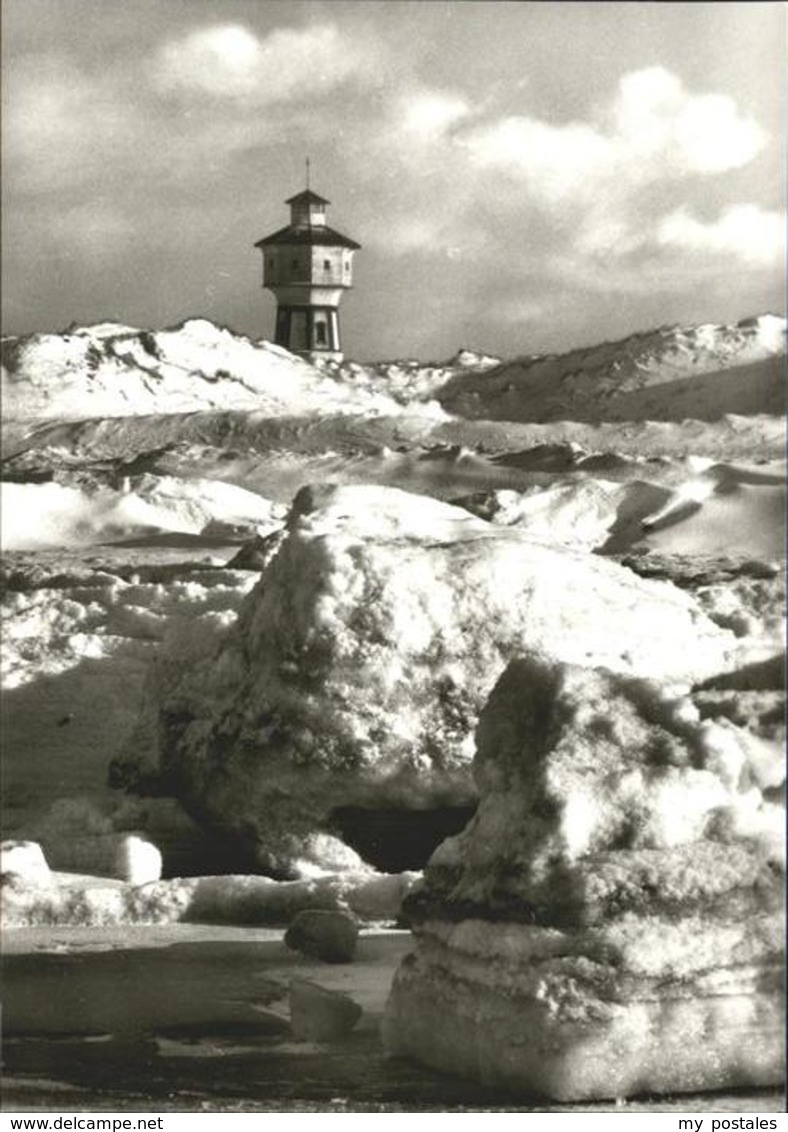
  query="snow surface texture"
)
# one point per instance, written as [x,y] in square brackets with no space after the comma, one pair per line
[619,889]
[137,461]
[22,863]
[77,645]
[52,514]
[675,373]
[743,509]
[70,898]
[110,370]
[358,665]
[670,374]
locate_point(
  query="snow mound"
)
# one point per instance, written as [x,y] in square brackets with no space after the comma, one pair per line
[359,662]
[52,514]
[408,381]
[76,651]
[234,899]
[673,374]
[579,514]
[111,371]
[23,864]
[698,507]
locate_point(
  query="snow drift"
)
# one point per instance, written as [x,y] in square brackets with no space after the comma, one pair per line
[111,370]
[53,514]
[672,374]
[359,662]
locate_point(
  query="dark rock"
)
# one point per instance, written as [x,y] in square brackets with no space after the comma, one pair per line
[327,935]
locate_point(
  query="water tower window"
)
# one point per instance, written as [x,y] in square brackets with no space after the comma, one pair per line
[326,264]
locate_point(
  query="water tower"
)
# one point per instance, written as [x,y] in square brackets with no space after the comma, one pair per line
[308,265]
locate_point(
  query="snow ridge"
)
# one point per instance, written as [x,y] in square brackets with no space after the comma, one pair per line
[112,370]
[672,373]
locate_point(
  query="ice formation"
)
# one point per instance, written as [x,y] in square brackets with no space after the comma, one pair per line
[359,662]
[610,922]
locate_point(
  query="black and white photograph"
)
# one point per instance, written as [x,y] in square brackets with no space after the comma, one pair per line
[393,560]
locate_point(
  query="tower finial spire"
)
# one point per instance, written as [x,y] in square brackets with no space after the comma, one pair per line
[307,173]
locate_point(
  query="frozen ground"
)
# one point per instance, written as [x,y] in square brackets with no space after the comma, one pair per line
[138,464]
[152,1011]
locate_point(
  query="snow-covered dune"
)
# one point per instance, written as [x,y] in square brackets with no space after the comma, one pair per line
[670,374]
[112,370]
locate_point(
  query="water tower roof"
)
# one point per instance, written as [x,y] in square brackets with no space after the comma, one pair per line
[324,236]
[306,196]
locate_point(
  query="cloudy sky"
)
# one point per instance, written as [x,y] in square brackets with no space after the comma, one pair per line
[522,176]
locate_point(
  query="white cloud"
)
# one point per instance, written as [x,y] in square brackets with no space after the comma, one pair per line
[744,231]
[581,203]
[552,159]
[66,127]
[226,61]
[712,136]
[408,134]
[218,60]
[655,118]
[430,114]
[409,147]
[674,254]
[590,191]
[653,128]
